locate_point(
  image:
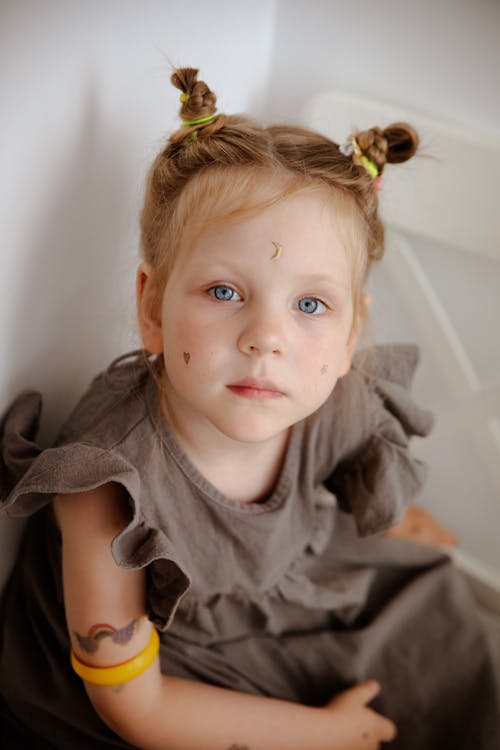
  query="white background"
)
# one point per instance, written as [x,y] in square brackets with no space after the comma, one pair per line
[85,104]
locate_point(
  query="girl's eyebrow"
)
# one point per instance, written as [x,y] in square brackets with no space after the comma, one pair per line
[224,266]
[322,278]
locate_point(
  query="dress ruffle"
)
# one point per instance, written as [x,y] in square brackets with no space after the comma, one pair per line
[376,487]
[18,431]
[30,478]
[377,483]
[33,476]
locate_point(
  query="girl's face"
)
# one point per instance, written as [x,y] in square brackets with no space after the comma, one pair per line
[256,321]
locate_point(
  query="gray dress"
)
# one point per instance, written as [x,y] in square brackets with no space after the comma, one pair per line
[297,597]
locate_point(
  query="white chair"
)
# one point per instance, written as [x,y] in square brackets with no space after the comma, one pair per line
[439,285]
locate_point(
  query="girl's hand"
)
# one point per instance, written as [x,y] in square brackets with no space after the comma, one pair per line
[419,526]
[355,726]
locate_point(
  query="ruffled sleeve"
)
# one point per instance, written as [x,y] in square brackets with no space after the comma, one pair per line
[377,477]
[30,477]
[18,430]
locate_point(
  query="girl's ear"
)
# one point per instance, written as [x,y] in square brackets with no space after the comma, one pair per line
[149,309]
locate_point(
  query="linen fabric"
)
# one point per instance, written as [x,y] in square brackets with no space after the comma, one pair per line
[297,596]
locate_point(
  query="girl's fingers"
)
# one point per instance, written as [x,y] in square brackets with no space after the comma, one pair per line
[388,730]
[364,692]
[384,729]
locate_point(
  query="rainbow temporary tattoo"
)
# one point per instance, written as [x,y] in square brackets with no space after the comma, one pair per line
[90,642]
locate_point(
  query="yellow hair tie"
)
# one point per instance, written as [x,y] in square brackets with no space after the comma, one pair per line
[186,123]
[119,673]
[370,167]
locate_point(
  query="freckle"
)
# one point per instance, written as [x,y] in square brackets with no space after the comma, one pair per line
[324,369]
[187,357]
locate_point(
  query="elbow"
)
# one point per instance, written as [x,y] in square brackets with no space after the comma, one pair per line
[132,710]
[112,718]
[116,714]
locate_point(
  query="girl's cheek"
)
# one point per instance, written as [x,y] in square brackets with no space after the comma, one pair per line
[190,348]
[180,335]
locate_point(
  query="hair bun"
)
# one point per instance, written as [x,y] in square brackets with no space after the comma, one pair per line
[198,100]
[395,144]
[402,142]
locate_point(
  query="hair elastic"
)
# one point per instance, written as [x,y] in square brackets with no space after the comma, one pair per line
[370,166]
[351,148]
[119,673]
[186,123]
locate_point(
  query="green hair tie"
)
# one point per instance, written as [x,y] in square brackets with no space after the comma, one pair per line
[199,121]
[352,148]
[369,166]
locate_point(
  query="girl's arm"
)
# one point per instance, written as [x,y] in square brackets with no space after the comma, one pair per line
[107,622]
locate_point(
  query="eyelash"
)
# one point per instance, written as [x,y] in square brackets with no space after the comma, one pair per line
[212,292]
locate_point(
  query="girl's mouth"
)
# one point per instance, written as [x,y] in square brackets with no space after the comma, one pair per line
[252,388]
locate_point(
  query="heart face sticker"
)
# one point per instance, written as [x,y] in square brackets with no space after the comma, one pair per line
[187,357]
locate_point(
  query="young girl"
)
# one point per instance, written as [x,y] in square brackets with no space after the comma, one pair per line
[194,485]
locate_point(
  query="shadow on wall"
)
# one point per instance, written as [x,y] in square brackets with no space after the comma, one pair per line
[73,310]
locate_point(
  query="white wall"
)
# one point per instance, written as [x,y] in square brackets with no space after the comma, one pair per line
[86,102]
[437,56]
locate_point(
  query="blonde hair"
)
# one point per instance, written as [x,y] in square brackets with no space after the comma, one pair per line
[230,164]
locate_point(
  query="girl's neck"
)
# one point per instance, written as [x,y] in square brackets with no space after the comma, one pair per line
[247,475]
[243,471]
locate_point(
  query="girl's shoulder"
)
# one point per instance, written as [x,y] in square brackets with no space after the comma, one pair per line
[116,400]
[88,451]
[360,440]
[377,389]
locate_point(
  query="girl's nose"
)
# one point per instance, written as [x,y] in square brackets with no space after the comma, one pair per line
[263,336]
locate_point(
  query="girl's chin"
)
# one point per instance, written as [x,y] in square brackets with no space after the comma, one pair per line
[251,432]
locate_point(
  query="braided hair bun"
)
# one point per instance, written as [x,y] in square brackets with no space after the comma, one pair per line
[197,104]
[395,144]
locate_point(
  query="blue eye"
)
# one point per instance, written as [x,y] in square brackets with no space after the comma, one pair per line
[224,293]
[311,306]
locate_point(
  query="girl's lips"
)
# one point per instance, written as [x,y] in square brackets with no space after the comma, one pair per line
[255,389]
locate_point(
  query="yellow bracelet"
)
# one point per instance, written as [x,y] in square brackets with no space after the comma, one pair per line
[119,673]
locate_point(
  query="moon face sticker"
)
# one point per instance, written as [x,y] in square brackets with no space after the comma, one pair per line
[277,250]
[187,357]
